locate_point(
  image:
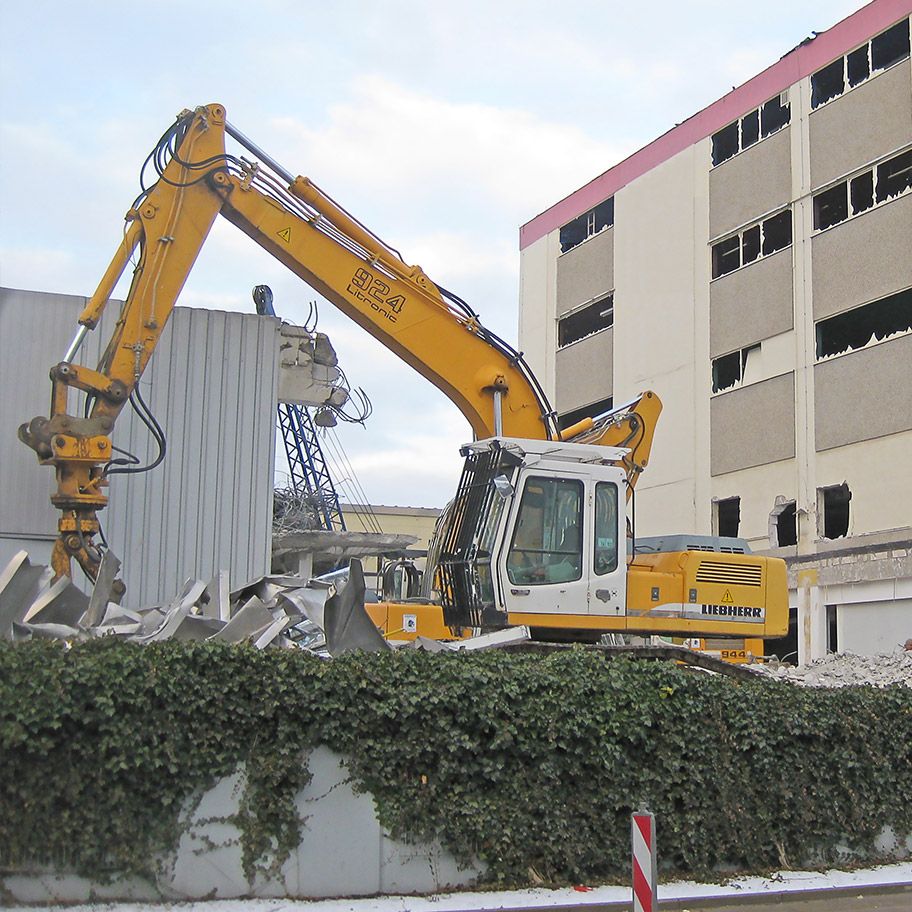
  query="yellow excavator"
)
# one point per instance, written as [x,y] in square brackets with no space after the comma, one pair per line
[541,530]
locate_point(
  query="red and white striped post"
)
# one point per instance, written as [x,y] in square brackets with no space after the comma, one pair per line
[642,833]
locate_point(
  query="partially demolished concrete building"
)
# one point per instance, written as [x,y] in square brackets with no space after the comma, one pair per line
[753,266]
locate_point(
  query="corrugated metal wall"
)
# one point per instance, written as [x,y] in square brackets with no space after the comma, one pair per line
[212,385]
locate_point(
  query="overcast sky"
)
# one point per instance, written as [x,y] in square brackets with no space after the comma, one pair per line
[442,125]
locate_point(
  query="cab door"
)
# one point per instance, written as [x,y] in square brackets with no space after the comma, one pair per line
[544,569]
[608,568]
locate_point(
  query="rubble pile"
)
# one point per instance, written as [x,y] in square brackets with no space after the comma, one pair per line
[843,669]
[270,611]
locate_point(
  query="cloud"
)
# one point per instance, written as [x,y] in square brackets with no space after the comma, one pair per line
[397,143]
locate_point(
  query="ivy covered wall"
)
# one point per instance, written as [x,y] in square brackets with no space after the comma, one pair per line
[528,764]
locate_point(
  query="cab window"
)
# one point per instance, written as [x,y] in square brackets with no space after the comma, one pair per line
[605,556]
[547,542]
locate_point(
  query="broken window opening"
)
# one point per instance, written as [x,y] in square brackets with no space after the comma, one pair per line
[831,207]
[890,46]
[725,144]
[777,232]
[750,245]
[894,177]
[728,517]
[881,52]
[832,626]
[774,115]
[866,325]
[593,410]
[586,225]
[749,129]
[726,372]
[828,83]
[878,185]
[586,321]
[861,190]
[726,256]
[762,239]
[730,370]
[783,524]
[858,66]
[833,510]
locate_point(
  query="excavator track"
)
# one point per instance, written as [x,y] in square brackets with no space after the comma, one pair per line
[667,653]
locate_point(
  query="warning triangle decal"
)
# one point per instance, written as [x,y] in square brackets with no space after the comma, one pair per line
[285,235]
[727,598]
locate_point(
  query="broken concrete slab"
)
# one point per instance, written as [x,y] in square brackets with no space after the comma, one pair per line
[216,598]
[196,628]
[271,632]
[341,544]
[61,603]
[20,583]
[510,636]
[103,591]
[252,619]
[49,631]
[346,624]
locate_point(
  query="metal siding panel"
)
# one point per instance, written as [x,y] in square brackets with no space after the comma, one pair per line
[35,330]
[208,507]
[213,387]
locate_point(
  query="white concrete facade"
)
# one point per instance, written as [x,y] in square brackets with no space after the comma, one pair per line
[793,423]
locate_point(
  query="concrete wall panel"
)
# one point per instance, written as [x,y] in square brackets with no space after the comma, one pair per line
[867,122]
[872,628]
[750,184]
[212,386]
[537,314]
[879,475]
[584,371]
[753,425]
[863,259]
[758,488]
[864,394]
[343,851]
[661,300]
[751,304]
[586,271]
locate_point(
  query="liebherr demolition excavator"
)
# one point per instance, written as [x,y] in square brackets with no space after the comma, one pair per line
[537,533]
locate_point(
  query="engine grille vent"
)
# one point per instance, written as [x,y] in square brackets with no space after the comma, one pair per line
[730,574]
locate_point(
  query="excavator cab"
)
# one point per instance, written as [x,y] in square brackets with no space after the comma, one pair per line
[534,534]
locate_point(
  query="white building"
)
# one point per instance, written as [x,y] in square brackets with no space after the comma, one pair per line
[753,266]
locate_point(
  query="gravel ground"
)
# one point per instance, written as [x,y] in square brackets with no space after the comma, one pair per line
[843,668]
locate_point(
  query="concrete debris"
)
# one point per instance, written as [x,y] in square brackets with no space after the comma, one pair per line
[272,611]
[346,624]
[324,615]
[843,669]
[511,636]
[103,591]
[21,583]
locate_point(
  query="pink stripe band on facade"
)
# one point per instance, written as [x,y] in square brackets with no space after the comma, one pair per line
[795,66]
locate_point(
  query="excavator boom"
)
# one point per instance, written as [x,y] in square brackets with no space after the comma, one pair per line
[430,328]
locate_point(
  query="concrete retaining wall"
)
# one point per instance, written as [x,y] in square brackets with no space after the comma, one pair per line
[344,852]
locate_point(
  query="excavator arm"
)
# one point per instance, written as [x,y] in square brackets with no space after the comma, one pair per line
[429,328]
